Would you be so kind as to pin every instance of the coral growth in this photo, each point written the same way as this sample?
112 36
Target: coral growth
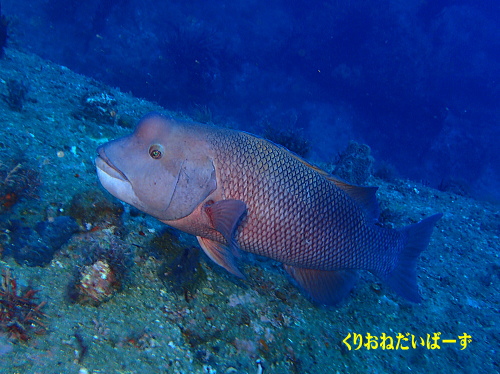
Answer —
202 113
103 271
19 313
291 139
100 107
17 181
98 283
355 163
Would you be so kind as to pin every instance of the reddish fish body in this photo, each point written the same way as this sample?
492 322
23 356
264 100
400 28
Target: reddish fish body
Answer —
236 191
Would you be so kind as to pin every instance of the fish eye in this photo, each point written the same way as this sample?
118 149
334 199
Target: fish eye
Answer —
156 151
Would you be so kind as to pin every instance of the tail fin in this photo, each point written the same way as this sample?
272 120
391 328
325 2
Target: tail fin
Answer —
403 278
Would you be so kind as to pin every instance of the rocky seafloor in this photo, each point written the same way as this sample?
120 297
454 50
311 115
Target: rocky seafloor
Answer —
159 306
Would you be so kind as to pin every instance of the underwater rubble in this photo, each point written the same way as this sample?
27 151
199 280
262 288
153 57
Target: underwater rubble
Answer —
121 292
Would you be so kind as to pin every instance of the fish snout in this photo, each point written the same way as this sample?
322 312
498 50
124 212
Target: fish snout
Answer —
104 164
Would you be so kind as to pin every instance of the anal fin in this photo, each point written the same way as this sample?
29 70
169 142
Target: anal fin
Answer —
327 287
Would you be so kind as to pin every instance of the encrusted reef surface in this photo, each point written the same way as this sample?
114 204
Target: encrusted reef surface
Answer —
122 293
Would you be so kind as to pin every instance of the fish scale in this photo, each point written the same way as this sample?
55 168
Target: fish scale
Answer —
334 232
235 191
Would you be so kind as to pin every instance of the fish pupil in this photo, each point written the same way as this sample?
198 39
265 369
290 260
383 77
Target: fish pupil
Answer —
155 153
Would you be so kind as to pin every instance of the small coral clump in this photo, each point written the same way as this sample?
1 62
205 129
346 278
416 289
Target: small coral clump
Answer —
100 107
291 139
17 181
103 271
98 283
355 163
19 313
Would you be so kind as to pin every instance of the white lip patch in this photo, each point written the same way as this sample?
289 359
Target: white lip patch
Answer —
108 169
113 181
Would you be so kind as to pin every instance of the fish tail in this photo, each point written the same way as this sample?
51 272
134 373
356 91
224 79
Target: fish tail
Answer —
403 278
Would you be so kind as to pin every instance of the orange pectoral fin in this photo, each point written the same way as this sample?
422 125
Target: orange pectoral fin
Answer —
220 254
225 216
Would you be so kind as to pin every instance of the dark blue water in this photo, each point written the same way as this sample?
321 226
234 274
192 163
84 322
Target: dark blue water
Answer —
416 80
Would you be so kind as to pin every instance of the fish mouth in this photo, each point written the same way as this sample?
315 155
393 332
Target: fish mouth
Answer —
104 165
114 180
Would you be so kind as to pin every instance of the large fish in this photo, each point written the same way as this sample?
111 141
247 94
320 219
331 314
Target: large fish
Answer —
235 191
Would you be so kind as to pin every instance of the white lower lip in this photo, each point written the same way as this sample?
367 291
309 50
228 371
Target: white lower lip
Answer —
114 183
104 167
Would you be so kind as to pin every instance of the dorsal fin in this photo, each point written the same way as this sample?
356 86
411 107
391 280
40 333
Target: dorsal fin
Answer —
364 196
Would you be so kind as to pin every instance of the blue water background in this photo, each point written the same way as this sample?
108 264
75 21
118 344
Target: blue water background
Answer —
416 80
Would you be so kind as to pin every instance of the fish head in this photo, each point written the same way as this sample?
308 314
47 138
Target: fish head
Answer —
163 168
